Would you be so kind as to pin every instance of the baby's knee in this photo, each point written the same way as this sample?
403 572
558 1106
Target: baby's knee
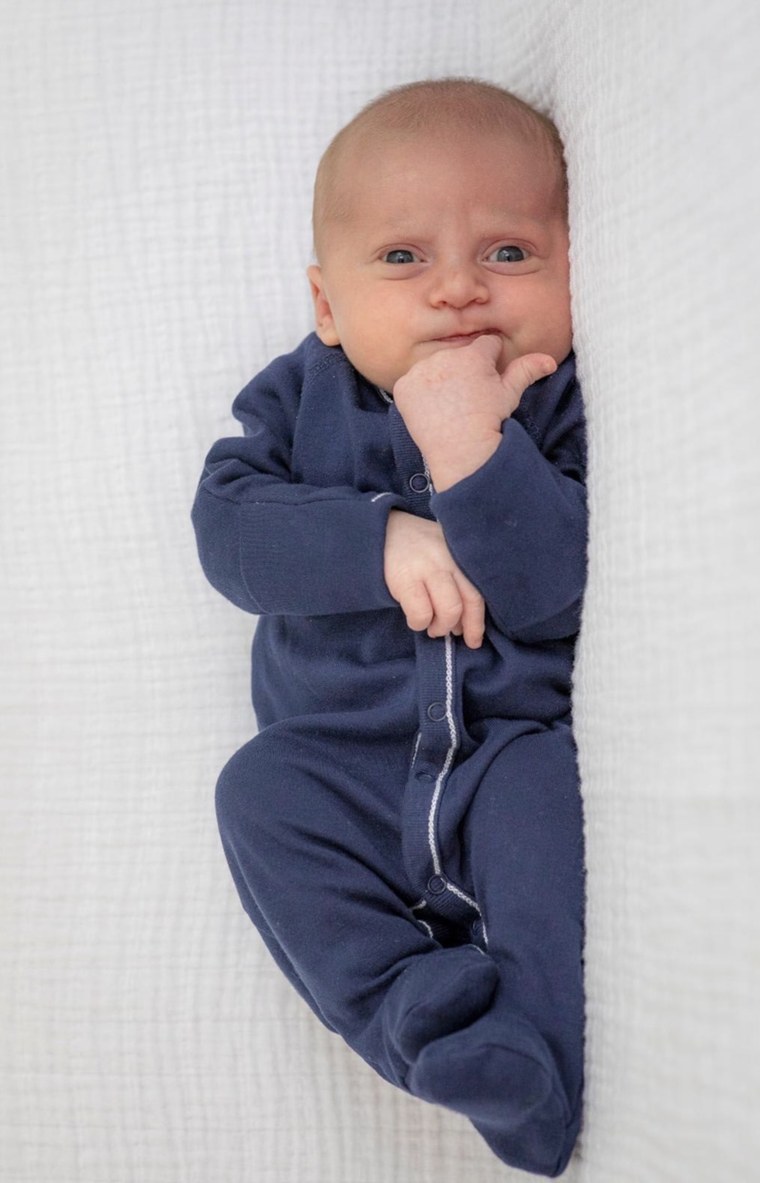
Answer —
251 789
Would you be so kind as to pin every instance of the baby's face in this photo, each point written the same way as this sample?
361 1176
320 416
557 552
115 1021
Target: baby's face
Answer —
442 244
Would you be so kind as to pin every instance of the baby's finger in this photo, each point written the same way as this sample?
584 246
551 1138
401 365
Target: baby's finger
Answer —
473 620
487 344
447 605
523 371
416 605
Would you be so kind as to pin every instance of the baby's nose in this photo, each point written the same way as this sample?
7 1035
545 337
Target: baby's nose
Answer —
458 284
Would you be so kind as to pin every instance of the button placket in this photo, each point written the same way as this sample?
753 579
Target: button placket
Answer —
435 756
419 482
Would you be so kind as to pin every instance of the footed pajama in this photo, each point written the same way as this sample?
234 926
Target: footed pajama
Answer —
405 831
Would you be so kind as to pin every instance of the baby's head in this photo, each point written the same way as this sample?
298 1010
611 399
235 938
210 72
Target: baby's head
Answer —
440 212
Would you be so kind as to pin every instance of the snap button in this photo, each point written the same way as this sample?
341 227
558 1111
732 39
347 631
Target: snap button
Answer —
436 885
419 482
436 711
425 776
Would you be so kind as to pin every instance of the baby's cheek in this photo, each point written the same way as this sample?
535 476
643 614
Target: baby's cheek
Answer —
507 354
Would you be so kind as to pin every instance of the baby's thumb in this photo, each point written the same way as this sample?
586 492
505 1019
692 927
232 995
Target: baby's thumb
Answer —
524 371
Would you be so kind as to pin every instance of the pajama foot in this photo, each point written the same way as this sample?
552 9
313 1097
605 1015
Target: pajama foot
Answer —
543 1146
502 1076
439 993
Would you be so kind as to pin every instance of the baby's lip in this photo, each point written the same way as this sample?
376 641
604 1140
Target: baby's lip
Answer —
465 338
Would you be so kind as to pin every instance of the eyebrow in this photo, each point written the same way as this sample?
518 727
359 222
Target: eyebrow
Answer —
410 226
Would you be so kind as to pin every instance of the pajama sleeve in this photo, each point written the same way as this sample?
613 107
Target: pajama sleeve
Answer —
272 544
517 526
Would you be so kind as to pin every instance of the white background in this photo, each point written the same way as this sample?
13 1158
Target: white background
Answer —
154 198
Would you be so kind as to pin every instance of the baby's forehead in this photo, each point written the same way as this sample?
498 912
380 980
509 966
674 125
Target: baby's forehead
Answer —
392 174
374 147
368 147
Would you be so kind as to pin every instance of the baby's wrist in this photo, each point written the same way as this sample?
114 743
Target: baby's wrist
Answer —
447 469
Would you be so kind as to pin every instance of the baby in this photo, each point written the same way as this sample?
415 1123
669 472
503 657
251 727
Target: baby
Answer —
406 514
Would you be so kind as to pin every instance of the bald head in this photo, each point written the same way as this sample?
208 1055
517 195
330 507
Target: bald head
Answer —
442 109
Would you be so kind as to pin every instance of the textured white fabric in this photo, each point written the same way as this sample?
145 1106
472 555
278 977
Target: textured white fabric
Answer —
157 164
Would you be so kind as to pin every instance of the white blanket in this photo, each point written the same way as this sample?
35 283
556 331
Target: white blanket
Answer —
157 165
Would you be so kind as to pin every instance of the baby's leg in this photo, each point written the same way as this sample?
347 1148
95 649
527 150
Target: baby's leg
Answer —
310 823
517 1070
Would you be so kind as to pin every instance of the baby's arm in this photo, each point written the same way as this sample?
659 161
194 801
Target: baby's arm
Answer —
509 492
273 544
454 404
428 585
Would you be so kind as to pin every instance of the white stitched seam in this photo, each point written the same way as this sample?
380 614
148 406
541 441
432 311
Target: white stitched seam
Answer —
449 755
416 748
379 495
432 816
462 895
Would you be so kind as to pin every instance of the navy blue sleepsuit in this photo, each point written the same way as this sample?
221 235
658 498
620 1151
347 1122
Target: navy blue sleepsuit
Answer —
405 830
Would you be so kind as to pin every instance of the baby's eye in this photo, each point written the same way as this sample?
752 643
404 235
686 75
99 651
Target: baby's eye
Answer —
399 256
509 253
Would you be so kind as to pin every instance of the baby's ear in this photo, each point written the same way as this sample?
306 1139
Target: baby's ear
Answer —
323 317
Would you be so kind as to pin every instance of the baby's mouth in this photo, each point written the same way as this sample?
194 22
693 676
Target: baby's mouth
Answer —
466 338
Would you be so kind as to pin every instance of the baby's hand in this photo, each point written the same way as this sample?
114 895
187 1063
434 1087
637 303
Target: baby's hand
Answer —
431 590
455 402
